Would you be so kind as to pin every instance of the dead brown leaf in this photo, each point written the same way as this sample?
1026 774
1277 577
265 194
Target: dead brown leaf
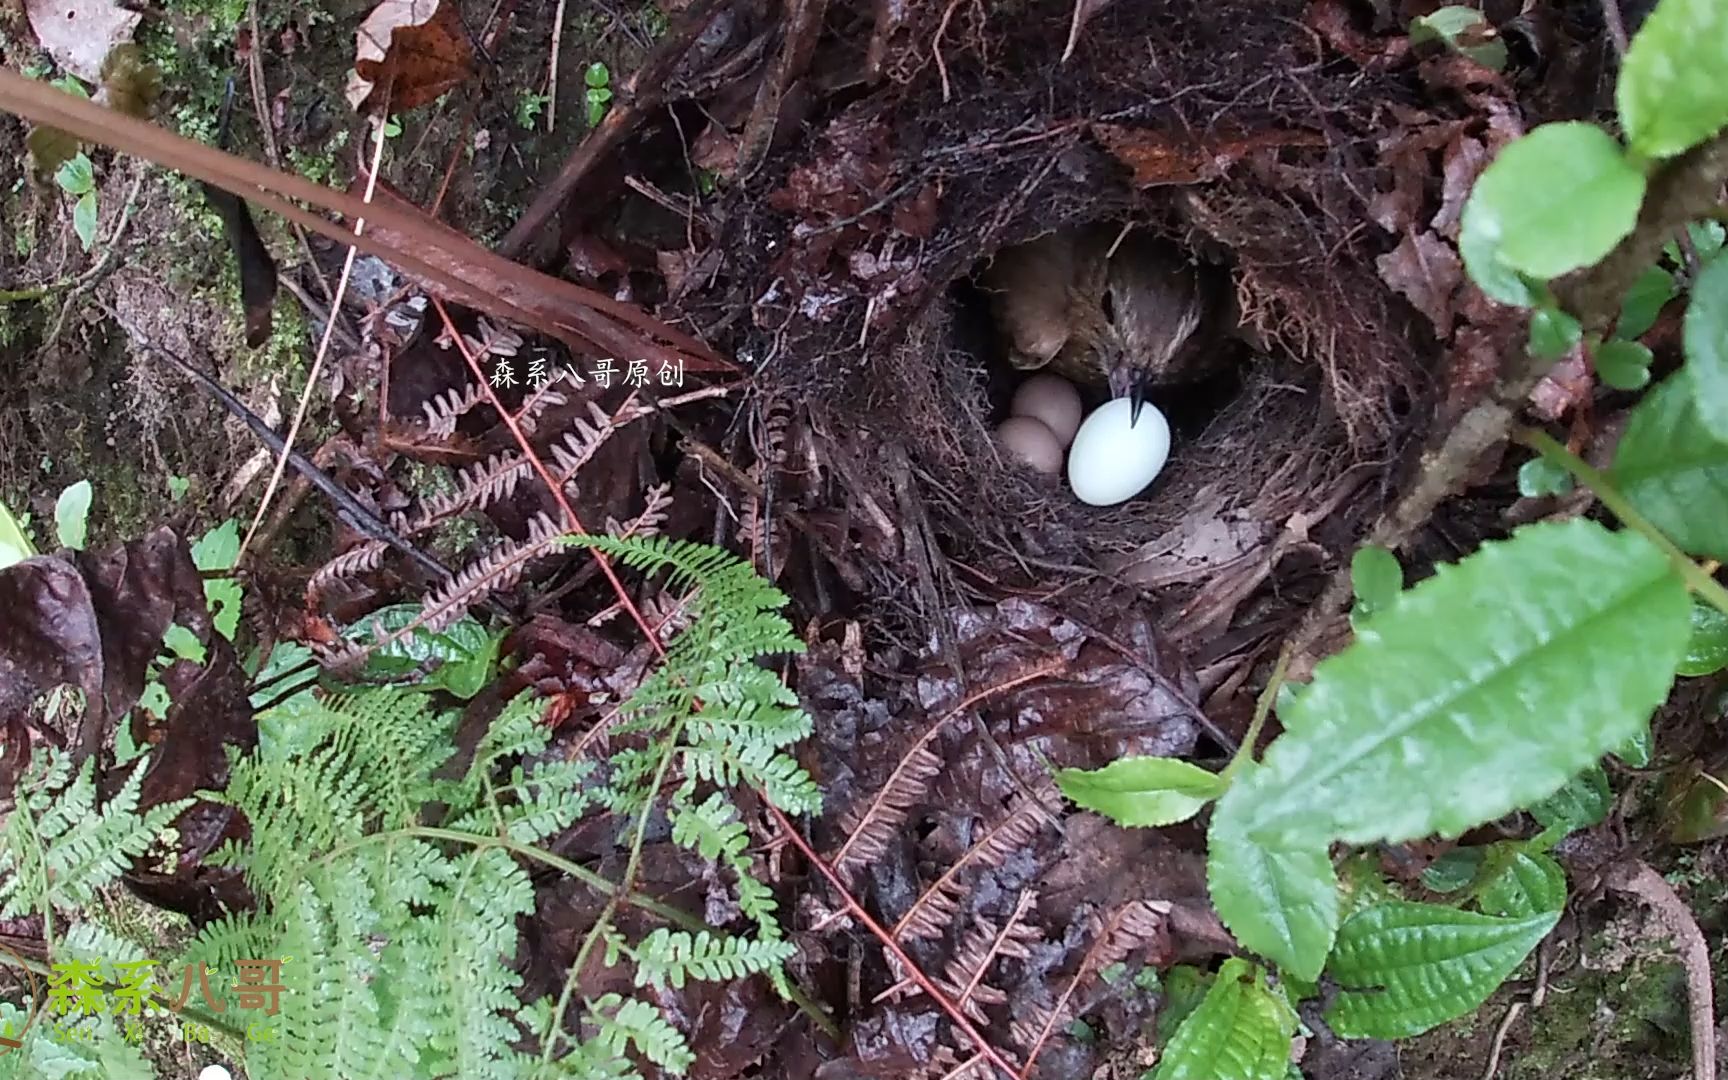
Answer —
1157 157
1425 271
79 33
406 53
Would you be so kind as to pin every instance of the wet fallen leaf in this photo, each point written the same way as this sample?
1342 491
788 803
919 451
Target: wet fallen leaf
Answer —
1425 271
406 53
257 268
79 33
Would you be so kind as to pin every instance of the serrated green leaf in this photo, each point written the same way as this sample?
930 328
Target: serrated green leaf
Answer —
1441 686
1583 802
1554 201
1674 470
1465 31
218 548
597 76
1453 870
1142 791
1406 968
1553 333
1670 94
1707 648
72 515
1481 250
1241 1031
84 218
1521 884
1185 988
1624 365
1539 476
1644 303
183 643
1278 896
77 176
1376 578
1705 333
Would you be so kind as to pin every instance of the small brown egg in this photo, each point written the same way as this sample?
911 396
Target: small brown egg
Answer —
1032 442
1051 400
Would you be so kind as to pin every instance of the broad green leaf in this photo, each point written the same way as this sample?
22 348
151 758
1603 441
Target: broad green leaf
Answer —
1644 302
1707 648
1705 333
1554 201
1241 1031
1553 333
1185 988
1521 884
84 218
1636 751
1376 578
184 643
1624 365
217 550
1539 476
1583 802
1483 690
1142 791
1453 870
15 545
597 77
1671 95
76 177
72 515
1406 967
1279 897
1465 31
155 700
1481 250
458 659
1674 470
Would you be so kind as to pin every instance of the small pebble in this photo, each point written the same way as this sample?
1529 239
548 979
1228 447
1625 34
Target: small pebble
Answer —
1052 400
1032 442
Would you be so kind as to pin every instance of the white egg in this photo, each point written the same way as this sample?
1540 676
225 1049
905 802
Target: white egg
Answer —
1032 443
214 1072
1111 462
1052 400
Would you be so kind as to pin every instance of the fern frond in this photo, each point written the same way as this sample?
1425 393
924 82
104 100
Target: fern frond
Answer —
936 906
363 557
477 487
964 977
583 441
1129 927
673 956
623 1023
500 568
442 411
59 849
870 829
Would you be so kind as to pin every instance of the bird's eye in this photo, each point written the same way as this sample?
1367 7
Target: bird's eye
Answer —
1109 305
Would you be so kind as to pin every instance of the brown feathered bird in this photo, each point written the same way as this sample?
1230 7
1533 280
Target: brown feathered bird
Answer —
1103 309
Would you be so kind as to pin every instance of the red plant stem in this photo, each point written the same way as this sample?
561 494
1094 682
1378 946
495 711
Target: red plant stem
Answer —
894 950
553 486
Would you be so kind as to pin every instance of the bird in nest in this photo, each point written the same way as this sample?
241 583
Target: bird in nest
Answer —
1127 312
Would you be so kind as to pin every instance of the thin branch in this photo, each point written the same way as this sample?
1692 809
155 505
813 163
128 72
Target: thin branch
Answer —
1635 878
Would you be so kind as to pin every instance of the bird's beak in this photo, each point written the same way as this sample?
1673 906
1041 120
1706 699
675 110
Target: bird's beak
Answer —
1128 380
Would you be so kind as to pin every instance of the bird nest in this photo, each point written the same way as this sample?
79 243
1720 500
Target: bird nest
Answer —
1212 124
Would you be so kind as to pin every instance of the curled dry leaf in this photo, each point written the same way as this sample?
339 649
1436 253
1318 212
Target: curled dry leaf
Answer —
1158 157
79 33
406 53
1425 271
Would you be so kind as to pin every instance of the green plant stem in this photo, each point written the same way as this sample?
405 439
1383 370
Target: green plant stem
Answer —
1603 487
1262 709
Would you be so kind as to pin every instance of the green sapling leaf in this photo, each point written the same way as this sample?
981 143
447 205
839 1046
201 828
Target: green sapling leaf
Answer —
1624 365
1376 578
1539 477
1407 967
1521 884
1279 896
1674 469
1705 336
72 515
1670 94
1240 1031
1707 648
1555 201
1142 791
1583 802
